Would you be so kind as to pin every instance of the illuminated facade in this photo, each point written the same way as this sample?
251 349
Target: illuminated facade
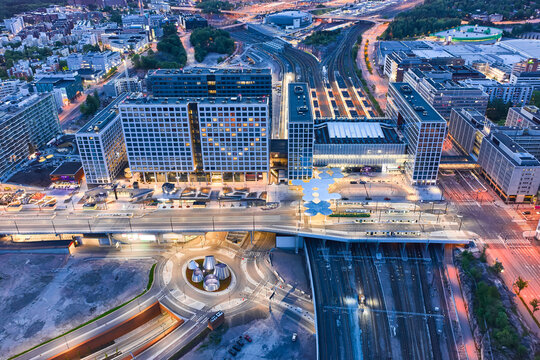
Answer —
101 146
168 139
423 128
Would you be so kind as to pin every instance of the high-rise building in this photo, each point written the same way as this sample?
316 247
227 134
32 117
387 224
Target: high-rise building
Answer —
523 117
101 145
301 136
168 139
444 94
27 123
423 128
210 83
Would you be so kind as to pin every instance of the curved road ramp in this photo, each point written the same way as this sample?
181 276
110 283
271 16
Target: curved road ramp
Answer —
127 339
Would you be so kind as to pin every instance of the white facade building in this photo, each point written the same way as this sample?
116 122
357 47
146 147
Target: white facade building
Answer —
102 147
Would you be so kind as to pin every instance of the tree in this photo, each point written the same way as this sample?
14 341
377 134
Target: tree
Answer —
497 267
520 284
497 110
63 65
535 304
535 99
91 48
91 105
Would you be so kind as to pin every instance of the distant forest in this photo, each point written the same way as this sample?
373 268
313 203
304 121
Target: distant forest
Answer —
437 15
8 8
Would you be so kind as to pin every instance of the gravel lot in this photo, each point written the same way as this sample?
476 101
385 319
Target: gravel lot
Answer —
42 295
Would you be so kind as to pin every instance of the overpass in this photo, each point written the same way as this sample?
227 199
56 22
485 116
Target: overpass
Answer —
159 222
458 163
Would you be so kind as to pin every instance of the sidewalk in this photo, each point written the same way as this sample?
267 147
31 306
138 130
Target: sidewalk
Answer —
459 303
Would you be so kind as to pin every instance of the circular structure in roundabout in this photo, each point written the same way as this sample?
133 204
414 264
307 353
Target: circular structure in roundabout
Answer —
208 275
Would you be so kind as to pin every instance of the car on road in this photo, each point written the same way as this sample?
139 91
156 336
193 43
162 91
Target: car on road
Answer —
368 198
294 337
386 199
232 352
362 183
248 338
236 347
240 341
526 213
353 182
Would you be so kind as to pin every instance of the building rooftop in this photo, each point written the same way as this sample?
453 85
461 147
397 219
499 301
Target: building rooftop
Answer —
299 107
362 132
471 33
197 71
423 110
512 151
103 118
140 99
14 103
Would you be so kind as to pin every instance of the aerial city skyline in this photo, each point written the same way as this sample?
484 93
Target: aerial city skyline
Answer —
323 179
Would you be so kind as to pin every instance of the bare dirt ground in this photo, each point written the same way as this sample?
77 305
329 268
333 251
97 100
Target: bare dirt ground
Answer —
271 334
43 295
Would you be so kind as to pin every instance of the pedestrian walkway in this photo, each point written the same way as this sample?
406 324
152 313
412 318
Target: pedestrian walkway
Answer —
460 304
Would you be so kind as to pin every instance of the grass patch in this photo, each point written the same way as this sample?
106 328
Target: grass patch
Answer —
356 215
148 286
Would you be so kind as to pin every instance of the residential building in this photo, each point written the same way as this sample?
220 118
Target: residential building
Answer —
125 41
216 139
101 145
190 22
444 94
27 122
14 25
301 135
518 94
523 117
8 87
121 84
100 61
423 128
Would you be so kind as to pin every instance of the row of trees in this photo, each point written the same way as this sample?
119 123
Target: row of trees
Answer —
489 309
8 8
214 6
436 15
171 52
209 39
322 37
